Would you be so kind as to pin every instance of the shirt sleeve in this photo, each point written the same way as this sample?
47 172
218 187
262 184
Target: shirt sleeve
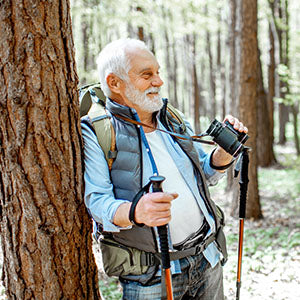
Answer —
212 176
98 195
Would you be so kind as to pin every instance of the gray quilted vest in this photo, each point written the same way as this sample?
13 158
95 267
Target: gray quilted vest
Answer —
126 173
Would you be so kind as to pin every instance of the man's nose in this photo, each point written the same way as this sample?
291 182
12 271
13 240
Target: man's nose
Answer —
157 81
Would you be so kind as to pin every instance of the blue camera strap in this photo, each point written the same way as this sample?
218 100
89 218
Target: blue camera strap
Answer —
146 144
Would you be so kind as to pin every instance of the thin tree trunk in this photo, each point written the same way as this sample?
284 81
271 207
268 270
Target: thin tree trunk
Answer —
233 75
85 43
174 77
271 82
167 55
151 39
278 12
195 88
295 112
221 66
234 71
141 34
212 75
265 153
45 230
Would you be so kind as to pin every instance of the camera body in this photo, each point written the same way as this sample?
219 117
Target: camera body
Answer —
227 137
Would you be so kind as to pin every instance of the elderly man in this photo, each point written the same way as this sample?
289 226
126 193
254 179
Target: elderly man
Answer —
130 79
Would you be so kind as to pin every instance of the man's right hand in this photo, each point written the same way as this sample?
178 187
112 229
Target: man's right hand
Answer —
154 209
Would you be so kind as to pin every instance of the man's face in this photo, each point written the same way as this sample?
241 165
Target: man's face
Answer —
143 87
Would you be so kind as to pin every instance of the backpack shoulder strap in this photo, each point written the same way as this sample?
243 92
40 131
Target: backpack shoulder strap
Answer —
105 132
176 115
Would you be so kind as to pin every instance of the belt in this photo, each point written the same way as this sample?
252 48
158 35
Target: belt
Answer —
150 259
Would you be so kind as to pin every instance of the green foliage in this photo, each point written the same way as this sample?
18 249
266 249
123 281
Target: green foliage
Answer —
291 88
110 289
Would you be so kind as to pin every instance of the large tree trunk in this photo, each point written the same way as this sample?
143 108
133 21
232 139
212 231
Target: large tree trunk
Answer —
248 94
45 230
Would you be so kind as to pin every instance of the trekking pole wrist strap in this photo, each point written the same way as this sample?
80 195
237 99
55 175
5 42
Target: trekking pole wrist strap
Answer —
134 203
132 214
219 168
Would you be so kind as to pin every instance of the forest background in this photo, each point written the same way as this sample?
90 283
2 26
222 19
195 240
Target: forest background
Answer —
196 44
216 57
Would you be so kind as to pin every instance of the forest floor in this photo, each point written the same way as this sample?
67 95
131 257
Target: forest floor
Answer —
271 252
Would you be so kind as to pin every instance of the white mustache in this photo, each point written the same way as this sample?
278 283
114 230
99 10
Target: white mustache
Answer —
153 90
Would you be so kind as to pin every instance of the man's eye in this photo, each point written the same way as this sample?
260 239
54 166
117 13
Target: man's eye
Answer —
147 75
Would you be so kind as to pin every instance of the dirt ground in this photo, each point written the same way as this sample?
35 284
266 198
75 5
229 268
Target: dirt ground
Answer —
270 271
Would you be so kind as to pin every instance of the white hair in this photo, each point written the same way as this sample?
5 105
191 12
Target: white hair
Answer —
114 59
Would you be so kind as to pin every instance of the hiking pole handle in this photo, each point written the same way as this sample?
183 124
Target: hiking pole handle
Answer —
164 246
162 230
244 183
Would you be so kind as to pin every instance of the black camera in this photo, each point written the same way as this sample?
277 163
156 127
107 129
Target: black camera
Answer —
227 137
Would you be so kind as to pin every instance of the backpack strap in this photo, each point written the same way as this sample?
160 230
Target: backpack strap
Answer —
105 131
176 115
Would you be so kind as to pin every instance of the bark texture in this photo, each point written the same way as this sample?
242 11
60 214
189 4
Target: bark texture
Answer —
45 229
248 96
246 46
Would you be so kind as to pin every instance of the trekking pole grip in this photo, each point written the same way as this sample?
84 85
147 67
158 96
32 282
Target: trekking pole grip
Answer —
244 183
162 230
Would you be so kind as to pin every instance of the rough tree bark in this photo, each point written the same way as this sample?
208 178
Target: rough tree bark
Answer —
46 237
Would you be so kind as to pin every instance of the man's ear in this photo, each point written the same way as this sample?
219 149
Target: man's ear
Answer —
114 83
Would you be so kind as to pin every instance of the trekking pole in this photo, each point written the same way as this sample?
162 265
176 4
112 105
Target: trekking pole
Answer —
163 240
242 213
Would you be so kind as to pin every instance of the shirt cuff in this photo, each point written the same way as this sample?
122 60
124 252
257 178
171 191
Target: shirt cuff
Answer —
108 218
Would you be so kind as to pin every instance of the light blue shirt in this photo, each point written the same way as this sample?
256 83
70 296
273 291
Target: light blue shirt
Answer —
99 196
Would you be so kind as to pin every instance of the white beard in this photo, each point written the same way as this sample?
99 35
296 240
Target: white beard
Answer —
142 100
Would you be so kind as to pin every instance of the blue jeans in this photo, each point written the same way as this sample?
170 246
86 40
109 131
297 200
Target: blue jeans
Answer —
196 281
